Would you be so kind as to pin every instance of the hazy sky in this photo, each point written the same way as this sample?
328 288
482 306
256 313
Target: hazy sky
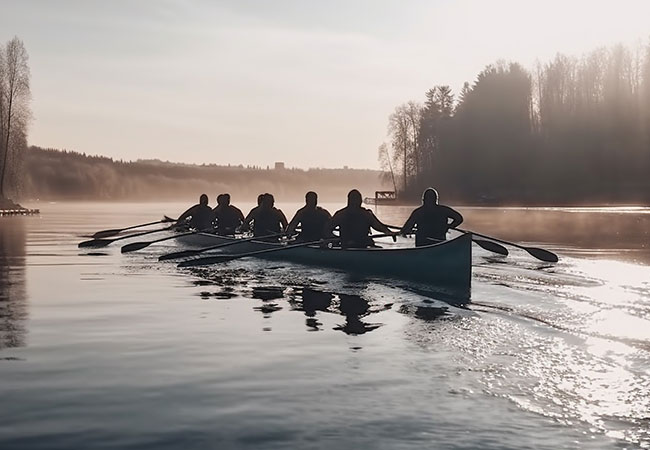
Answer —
310 83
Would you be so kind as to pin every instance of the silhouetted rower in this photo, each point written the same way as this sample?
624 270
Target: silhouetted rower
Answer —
251 213
266 218
354 223
311 218
432 220
198 217
228 217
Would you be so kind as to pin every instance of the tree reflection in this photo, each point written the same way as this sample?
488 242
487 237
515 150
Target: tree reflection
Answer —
13 308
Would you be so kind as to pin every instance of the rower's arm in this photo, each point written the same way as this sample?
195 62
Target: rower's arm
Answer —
249 218
283 219
378 225
334 222
408 226
294 223
245 226
456 218
186 214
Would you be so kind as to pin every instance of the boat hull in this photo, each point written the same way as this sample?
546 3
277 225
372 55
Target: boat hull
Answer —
447 264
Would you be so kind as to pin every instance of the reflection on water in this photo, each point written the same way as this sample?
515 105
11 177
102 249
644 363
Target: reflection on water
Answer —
312 301
558 355
13 307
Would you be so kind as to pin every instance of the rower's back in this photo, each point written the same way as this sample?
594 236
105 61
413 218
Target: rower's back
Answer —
267 219
228 217
432 220
199 216
432 223
354 226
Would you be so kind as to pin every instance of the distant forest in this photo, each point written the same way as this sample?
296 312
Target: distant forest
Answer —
64 175
575 130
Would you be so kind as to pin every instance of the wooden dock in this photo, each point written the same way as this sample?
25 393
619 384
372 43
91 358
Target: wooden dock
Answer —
19 212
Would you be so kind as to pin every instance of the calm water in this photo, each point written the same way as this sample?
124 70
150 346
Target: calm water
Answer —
103 350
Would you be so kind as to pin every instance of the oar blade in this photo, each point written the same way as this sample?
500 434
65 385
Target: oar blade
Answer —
134 246
95 243
177 255
106 233
207 260
491 246
541 254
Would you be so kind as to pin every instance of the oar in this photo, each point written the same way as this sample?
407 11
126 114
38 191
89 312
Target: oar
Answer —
539 253
140 245
105 242
487 245
229 257
113 232
187 253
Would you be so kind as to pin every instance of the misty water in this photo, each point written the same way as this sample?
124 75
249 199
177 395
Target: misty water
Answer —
104 350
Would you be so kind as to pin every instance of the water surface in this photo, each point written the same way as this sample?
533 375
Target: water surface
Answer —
104 350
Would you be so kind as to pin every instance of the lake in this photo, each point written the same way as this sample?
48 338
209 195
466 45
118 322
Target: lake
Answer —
104 350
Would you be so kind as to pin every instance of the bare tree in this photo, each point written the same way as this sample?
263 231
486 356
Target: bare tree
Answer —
14 104
385 162
404 128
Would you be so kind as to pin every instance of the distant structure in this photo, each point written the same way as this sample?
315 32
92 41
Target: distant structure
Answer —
279 166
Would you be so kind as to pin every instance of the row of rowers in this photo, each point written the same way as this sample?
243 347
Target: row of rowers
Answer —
431 220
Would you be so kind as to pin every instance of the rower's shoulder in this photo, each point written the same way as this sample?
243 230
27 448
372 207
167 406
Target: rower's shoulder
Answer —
322 211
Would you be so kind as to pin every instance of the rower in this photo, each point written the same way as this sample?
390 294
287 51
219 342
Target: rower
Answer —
228 217
432 220
354 223
252 212
198 217
266 218
312 220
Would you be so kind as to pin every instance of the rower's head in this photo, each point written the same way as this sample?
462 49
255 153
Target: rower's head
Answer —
260 199
311 199
203 200
354 198
430 197
268 201
223 199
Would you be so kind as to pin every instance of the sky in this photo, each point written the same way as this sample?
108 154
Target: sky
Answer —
309 83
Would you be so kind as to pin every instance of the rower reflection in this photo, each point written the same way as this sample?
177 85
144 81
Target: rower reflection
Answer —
266 294
353 307
312 302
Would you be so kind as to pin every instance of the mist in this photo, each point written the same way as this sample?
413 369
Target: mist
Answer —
61 175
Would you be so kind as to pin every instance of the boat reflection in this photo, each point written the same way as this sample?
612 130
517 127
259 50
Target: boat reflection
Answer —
13 307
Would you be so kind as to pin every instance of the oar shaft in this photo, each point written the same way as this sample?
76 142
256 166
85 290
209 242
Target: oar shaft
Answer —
114 231
535 252
186 253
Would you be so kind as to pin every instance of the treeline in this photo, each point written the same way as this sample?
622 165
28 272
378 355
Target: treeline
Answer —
571 131
51 174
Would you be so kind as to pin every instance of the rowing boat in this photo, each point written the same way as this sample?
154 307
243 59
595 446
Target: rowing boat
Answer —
446 264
